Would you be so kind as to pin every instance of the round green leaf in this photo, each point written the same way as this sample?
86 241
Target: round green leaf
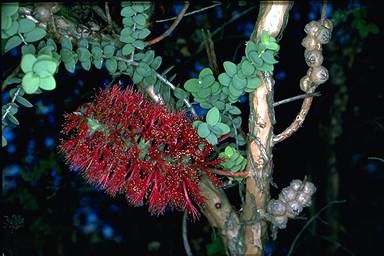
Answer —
224 79
96 52
27 62
141 33
139 44
256 60
223 128
156 62
26 25
273 46
47 83
180 93
127 32
12 43
109 50
250 47
44 68
111 65
212 139
11 30
267 56
6 21
229 151
137 77
30 82
215 87
86 64
230 68
30 48
127 21
220 105
205 72
237 122
196 124
9 8
149 56
83 54
247 68
143 69
127 49
35 35
253 83
97 62
121 65
239 83
192 85
203 130
139 19
265 38
234 110
67 57
83 43
140 7
204 92
127 12
234 91
213 116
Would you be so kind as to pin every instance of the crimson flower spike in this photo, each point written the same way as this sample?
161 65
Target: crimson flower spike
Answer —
125 144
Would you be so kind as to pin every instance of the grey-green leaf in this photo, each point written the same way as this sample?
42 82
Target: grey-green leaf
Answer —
35 35
203 130
23 101
234 110
213 116
109 50
26 25
12 43
30 48
180 93
3 141
212 139
12 118
230 68
111 65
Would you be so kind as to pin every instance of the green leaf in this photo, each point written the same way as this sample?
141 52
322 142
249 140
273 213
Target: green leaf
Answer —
35 35
12 118
127 12
44 67
26 25
128 22
192 85
111 65
97 52
265 38
6 21
156 62
11 30
250 47
127 49
213 116
203 130
109 50
230 68
30 82
234 91
83 43
196 123
9 8
220 129
13 80
30 48
267 56
139 19
225 79
137 77
141 33
220 105
3 141
234 110
255 59
83 54
86 64
47 83
273 46
239 83
212 139
12 43
180 93
149 56
150 79
140 7
204 92
237 122
247 68
240 140
97 62
27 62
23 101
253 83
69 59
266 67
143 69
121 65
140 44
205 72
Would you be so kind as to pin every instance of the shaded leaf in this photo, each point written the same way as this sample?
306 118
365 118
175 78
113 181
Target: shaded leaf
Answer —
127 49
212 139
12 118
12 43
30 48
230 68
23 101
26 25
35 35
111 65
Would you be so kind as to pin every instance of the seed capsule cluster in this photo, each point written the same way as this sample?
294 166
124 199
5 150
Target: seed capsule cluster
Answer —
290 203
318 33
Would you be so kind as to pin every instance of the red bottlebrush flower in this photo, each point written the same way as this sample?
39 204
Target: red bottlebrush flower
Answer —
125 144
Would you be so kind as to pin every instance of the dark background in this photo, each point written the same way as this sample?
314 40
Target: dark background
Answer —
48 210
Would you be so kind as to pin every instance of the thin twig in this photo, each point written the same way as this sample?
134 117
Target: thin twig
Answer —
210 49
324 10
299 120
376 158
109 18
10 105
229 173
185 237
302 96
190 13
310 221
172 27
